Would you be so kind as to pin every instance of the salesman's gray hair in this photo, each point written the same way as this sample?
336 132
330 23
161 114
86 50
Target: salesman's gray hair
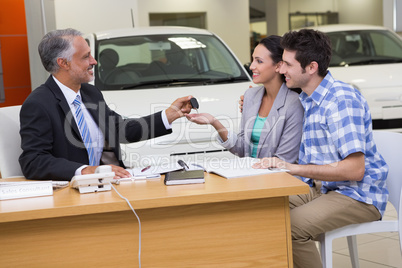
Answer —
57 44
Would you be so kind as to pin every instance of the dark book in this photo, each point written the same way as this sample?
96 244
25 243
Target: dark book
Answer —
184 177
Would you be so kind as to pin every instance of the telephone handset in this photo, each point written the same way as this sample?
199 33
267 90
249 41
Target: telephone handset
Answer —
92 183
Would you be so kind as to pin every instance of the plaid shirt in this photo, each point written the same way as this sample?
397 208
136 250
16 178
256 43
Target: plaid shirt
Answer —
337 123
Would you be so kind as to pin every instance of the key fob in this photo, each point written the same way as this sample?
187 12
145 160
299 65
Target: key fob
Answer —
194 103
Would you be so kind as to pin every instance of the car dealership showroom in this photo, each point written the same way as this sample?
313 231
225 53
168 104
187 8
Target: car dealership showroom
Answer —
145 55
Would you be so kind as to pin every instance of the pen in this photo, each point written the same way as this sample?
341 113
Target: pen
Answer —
183 164
199 166
145 168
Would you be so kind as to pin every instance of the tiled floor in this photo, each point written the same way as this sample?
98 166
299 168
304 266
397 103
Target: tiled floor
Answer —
380 250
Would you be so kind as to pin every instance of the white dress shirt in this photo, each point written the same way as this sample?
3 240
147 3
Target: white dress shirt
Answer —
97 138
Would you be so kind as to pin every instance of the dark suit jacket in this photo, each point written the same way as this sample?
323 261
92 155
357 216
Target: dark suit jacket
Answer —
50 139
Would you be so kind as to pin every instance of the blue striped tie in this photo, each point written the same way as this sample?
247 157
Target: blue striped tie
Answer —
86 137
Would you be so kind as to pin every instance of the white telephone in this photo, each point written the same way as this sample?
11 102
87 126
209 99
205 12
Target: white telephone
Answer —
92 183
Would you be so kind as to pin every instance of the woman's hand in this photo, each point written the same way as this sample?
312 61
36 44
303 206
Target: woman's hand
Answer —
205 119
201 119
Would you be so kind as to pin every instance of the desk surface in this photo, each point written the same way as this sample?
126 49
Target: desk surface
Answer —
150 194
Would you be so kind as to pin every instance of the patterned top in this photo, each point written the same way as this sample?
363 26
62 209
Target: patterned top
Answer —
337 123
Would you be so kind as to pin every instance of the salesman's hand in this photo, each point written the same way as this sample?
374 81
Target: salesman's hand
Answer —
119 171
201 119
178 108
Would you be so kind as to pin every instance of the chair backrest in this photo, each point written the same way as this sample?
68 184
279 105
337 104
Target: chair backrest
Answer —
389 145
10 141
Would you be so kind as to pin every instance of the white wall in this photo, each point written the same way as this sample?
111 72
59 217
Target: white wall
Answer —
259 27
283 8
388 7
356 11
398 17
36 29
94 15
393 19
312 5
229 19
360 11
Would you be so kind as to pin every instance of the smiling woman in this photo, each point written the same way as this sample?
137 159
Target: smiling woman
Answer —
272 114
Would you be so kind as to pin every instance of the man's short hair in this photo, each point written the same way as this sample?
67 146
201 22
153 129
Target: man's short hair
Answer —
310 45
57 44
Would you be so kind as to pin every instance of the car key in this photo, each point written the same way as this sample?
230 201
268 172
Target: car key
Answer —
194 104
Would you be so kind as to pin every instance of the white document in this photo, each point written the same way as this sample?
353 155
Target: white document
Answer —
236 167
227 168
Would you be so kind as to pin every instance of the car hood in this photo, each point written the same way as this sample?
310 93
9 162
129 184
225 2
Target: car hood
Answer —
381 85
370 76
212 99
187 137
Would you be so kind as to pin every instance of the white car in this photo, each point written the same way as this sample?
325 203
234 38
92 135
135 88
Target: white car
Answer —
370 59
143 70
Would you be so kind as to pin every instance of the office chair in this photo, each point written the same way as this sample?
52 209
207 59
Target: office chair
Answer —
389 145
10 142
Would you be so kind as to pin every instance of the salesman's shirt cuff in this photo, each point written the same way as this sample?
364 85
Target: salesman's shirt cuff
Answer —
78 171
165 120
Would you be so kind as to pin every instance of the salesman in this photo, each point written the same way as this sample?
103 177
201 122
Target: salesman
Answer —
66 127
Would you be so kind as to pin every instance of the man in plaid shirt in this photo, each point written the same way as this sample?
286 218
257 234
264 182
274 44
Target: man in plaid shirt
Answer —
337 158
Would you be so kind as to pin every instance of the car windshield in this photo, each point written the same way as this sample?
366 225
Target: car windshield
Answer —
364 47
151 61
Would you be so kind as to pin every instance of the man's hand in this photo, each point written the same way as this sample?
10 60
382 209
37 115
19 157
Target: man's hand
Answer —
241 103
178 108
119 171
272 162
201 119
352 168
